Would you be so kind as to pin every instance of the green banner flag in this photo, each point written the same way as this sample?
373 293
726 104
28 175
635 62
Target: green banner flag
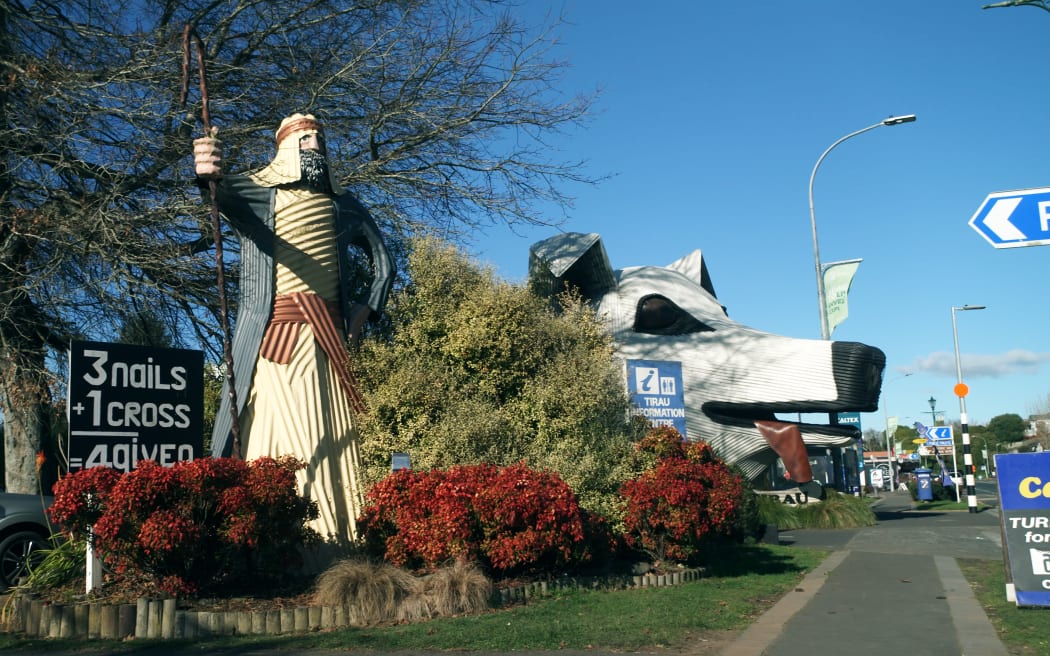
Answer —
838 276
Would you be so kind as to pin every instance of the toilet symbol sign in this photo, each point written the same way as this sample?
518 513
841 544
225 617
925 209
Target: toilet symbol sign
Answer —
656 391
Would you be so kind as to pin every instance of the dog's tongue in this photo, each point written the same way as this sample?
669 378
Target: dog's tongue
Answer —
786 439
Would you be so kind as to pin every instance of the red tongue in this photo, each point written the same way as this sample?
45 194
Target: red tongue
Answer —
786 440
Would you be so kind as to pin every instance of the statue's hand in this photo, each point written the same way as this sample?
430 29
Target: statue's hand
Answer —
207 157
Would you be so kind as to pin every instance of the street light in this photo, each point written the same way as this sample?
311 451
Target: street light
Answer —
886 418
985 460
961 390
825 333
933 415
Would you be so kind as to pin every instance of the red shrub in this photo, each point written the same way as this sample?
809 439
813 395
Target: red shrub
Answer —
687 499
193 526
511 519
79 499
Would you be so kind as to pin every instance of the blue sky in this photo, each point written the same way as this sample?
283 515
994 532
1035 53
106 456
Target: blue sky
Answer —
711 117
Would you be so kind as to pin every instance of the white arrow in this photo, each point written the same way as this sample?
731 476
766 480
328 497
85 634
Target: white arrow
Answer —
998 219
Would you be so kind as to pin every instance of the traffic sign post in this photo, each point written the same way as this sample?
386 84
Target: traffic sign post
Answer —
1009 219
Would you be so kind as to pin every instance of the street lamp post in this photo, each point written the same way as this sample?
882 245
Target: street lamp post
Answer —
961 390
933 415
825 333
954 466
983 451
886 419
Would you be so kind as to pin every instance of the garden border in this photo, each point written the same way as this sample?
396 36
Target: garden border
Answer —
161 619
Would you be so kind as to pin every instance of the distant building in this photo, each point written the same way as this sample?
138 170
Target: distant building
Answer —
1038 428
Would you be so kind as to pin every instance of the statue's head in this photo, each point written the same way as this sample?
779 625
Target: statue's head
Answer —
300 132
301 135
301 155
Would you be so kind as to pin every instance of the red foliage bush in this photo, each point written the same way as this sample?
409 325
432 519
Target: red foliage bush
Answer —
193 526
688 499
510 519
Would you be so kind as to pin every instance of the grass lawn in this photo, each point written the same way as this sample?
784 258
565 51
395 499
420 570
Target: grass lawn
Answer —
736 591
739 588
1023 630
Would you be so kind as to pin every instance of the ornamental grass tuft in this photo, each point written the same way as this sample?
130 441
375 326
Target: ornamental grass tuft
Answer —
380 593
837 510
373 593
459 589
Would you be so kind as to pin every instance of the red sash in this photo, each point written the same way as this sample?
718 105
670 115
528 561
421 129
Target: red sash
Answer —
291 311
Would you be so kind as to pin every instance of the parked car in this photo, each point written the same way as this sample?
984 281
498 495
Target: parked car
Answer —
25 532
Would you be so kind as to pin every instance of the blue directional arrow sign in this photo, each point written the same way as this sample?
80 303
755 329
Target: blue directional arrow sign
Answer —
1008 219
940 435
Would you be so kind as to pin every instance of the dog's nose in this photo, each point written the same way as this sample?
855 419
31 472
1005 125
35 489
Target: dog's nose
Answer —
858 374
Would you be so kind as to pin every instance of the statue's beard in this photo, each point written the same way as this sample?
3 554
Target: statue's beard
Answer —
314 167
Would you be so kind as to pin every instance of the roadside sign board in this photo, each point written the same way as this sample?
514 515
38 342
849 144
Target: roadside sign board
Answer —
132 403
1008 219
848 419
1024 494
657 392
935 440
942 450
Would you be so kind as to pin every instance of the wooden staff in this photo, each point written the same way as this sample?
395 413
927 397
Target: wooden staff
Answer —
224 318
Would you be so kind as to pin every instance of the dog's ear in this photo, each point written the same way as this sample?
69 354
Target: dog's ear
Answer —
571 259
693 267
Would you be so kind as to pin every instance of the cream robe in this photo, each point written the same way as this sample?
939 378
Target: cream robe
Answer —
299 408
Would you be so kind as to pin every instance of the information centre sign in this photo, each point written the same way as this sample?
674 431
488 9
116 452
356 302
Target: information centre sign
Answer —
657 393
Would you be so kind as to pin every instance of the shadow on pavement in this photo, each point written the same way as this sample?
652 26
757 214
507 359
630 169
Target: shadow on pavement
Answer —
753 561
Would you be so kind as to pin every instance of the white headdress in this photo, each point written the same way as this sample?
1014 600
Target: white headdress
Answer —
285 167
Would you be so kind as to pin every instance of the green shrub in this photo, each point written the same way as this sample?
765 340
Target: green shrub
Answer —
62 564
476 370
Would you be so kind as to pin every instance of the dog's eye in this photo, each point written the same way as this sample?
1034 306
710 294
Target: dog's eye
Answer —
657 315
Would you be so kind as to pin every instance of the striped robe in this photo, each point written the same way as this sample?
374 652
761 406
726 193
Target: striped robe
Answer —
294 240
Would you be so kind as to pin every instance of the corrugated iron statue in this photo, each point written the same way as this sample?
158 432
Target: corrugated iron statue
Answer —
735 379
294 393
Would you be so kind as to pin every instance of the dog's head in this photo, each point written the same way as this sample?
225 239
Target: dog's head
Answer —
732 374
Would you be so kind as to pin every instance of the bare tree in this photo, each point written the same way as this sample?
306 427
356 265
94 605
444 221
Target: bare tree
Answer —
435 112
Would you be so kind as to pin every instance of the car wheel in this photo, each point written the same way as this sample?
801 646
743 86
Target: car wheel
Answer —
19 552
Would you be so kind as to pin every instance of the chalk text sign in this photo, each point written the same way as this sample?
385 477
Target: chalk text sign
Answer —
133 403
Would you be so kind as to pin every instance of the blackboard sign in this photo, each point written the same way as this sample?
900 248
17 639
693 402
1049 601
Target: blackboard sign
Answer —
133 403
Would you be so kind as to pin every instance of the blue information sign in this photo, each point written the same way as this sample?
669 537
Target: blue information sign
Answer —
1024 491
1008 219
656 391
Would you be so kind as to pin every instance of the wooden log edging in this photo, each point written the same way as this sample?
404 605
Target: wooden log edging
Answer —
161 618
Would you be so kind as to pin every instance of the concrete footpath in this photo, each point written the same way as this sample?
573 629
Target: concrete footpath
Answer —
891 588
